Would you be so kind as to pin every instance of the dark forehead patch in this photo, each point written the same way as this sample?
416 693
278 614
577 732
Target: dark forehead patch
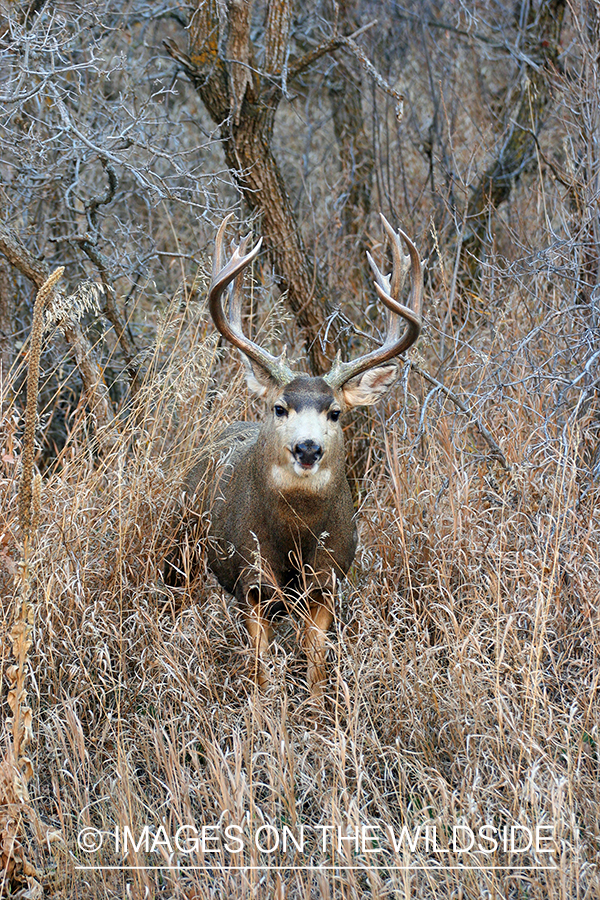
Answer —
308 392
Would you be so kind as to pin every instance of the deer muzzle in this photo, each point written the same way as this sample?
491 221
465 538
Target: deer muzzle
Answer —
307 453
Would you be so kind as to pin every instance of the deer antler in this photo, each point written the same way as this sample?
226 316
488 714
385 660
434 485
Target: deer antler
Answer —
231 327
389 289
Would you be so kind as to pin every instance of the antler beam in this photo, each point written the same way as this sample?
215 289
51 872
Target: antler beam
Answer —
389 289
231 328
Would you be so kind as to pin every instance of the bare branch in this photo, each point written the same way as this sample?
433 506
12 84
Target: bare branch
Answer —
330 46
483 429
91 371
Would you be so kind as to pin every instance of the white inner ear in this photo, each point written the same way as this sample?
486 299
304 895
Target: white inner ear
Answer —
258 381
254 385
369 387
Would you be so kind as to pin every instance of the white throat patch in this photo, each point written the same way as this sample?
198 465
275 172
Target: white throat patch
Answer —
293 477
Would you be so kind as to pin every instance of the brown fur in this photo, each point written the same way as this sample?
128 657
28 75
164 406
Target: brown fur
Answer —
282 524
274 549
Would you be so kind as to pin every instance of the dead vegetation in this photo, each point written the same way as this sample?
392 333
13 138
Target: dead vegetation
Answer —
464 657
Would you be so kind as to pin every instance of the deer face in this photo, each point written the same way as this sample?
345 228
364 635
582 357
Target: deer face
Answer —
302 434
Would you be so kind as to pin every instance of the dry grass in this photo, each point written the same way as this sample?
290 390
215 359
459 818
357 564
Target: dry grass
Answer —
464 659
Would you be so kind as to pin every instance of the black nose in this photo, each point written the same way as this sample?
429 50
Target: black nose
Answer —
307 453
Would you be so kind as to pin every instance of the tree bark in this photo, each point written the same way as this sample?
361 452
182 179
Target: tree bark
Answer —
524 112
245 109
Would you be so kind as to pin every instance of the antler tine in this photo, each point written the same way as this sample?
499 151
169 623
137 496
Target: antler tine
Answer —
400 261
235 289
388 289
384 283
236 299
400 267
231 326
218 257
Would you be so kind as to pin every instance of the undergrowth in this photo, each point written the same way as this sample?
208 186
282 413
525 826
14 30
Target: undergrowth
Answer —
463 662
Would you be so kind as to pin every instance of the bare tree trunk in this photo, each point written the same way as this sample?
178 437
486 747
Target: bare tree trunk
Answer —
7 290
524 110
249 157
245 108
354 147
356 156
583 178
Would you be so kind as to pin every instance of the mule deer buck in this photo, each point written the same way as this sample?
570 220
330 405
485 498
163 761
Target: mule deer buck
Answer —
282 526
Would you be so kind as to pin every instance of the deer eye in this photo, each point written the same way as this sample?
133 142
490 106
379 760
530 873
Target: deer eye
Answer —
334 414
280 411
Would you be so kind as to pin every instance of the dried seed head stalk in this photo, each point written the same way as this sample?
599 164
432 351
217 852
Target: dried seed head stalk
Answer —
36 502
33 376
17 767
29 507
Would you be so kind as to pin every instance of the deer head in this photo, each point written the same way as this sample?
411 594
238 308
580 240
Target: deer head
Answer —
301 433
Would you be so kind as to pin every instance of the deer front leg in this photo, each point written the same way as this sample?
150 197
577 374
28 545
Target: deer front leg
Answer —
259 630
318 622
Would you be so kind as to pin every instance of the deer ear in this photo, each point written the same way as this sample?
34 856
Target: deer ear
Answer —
369 387
258 381
255 386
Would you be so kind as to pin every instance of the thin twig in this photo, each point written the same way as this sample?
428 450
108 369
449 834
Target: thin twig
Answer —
351 45
483 430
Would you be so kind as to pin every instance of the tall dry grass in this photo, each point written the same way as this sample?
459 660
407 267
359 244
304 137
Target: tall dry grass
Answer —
463 661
